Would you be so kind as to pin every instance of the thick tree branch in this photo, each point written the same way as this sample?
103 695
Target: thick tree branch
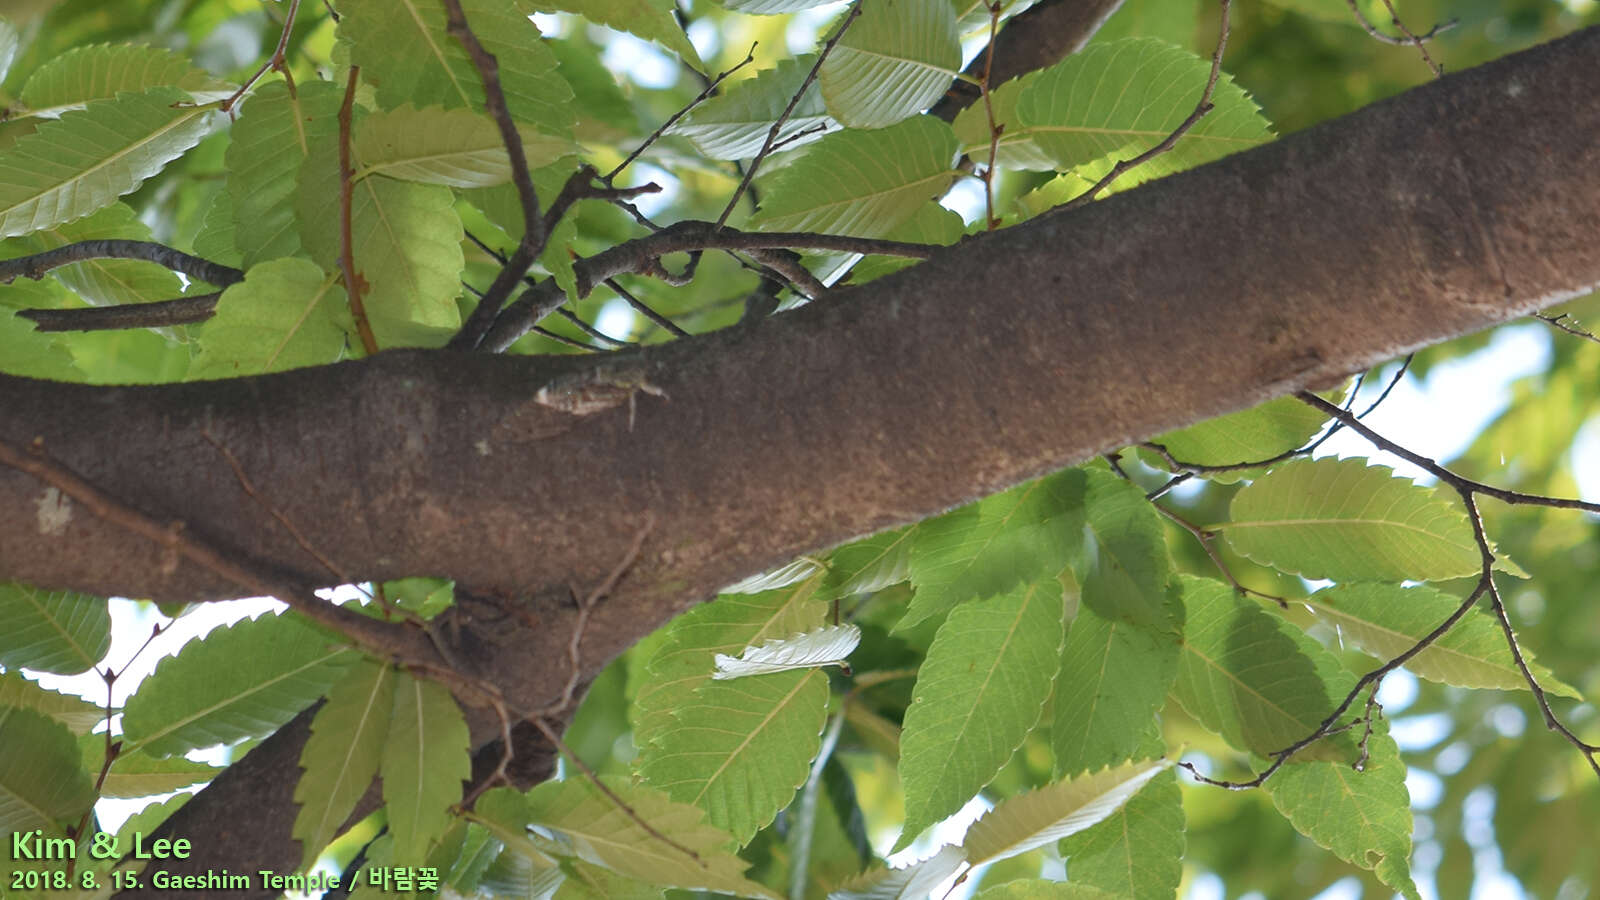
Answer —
1004 357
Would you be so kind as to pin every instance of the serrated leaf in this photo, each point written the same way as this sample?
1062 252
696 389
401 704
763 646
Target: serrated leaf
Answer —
1126 568
1021 823
894 61
912 882
770 7
52 631
102 71
1115 100
454 147
406 240
1385 620
1137 851
991 546
1345 520
89 157
78 714
735 123
1114 679
978 694
1015 148
1363 817
1248 677
136 774
286 314
870 564
425 761
1261 432
590 882
827 646
404 49
109 282
862 183
684 661
239 681
592 827
791 572
740 749
650 20
42 780
504 813
341 757
275 133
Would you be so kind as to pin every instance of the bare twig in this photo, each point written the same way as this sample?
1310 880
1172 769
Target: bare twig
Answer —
1560 321
643 309
162 314
35 265
533 225
1408 37
275 61
990 220
711 88
355 286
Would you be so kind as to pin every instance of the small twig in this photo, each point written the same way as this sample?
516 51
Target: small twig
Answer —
355 286
534 232
1371 29
1589 751
586 605
590 330
1557 322
711 88
788 110
274 62
162 314
643 309
1201 109
994 127
35 265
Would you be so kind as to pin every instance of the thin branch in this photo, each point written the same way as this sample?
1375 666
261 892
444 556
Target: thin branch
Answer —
355 286
1404 41
163 314
644 310
788 110
988 110
711 88
1407 35
1201 109
534 232
1557 322
590 330
275 61
36 265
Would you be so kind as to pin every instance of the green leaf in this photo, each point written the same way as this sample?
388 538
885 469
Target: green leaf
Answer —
650 20
455 147
1021 823
10 42
991 546
1346 520
504 812
685 660
109 282
1137 851
270 142
978 694
37 355
770 7
239 681
1114 679
285 314
740 749
1016 148
870 564
136 774
1173 21
1363 817
88 158
341 757
862 183
406 240
102 71
1261 432
1385 620
52 631
1038 889
1251 679
585 881
425 760
735 123
1127 568
894 61
912 882
78 714
593 828
42 780
404 49
1121 98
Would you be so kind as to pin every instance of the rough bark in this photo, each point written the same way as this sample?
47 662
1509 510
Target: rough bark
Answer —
1446 210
